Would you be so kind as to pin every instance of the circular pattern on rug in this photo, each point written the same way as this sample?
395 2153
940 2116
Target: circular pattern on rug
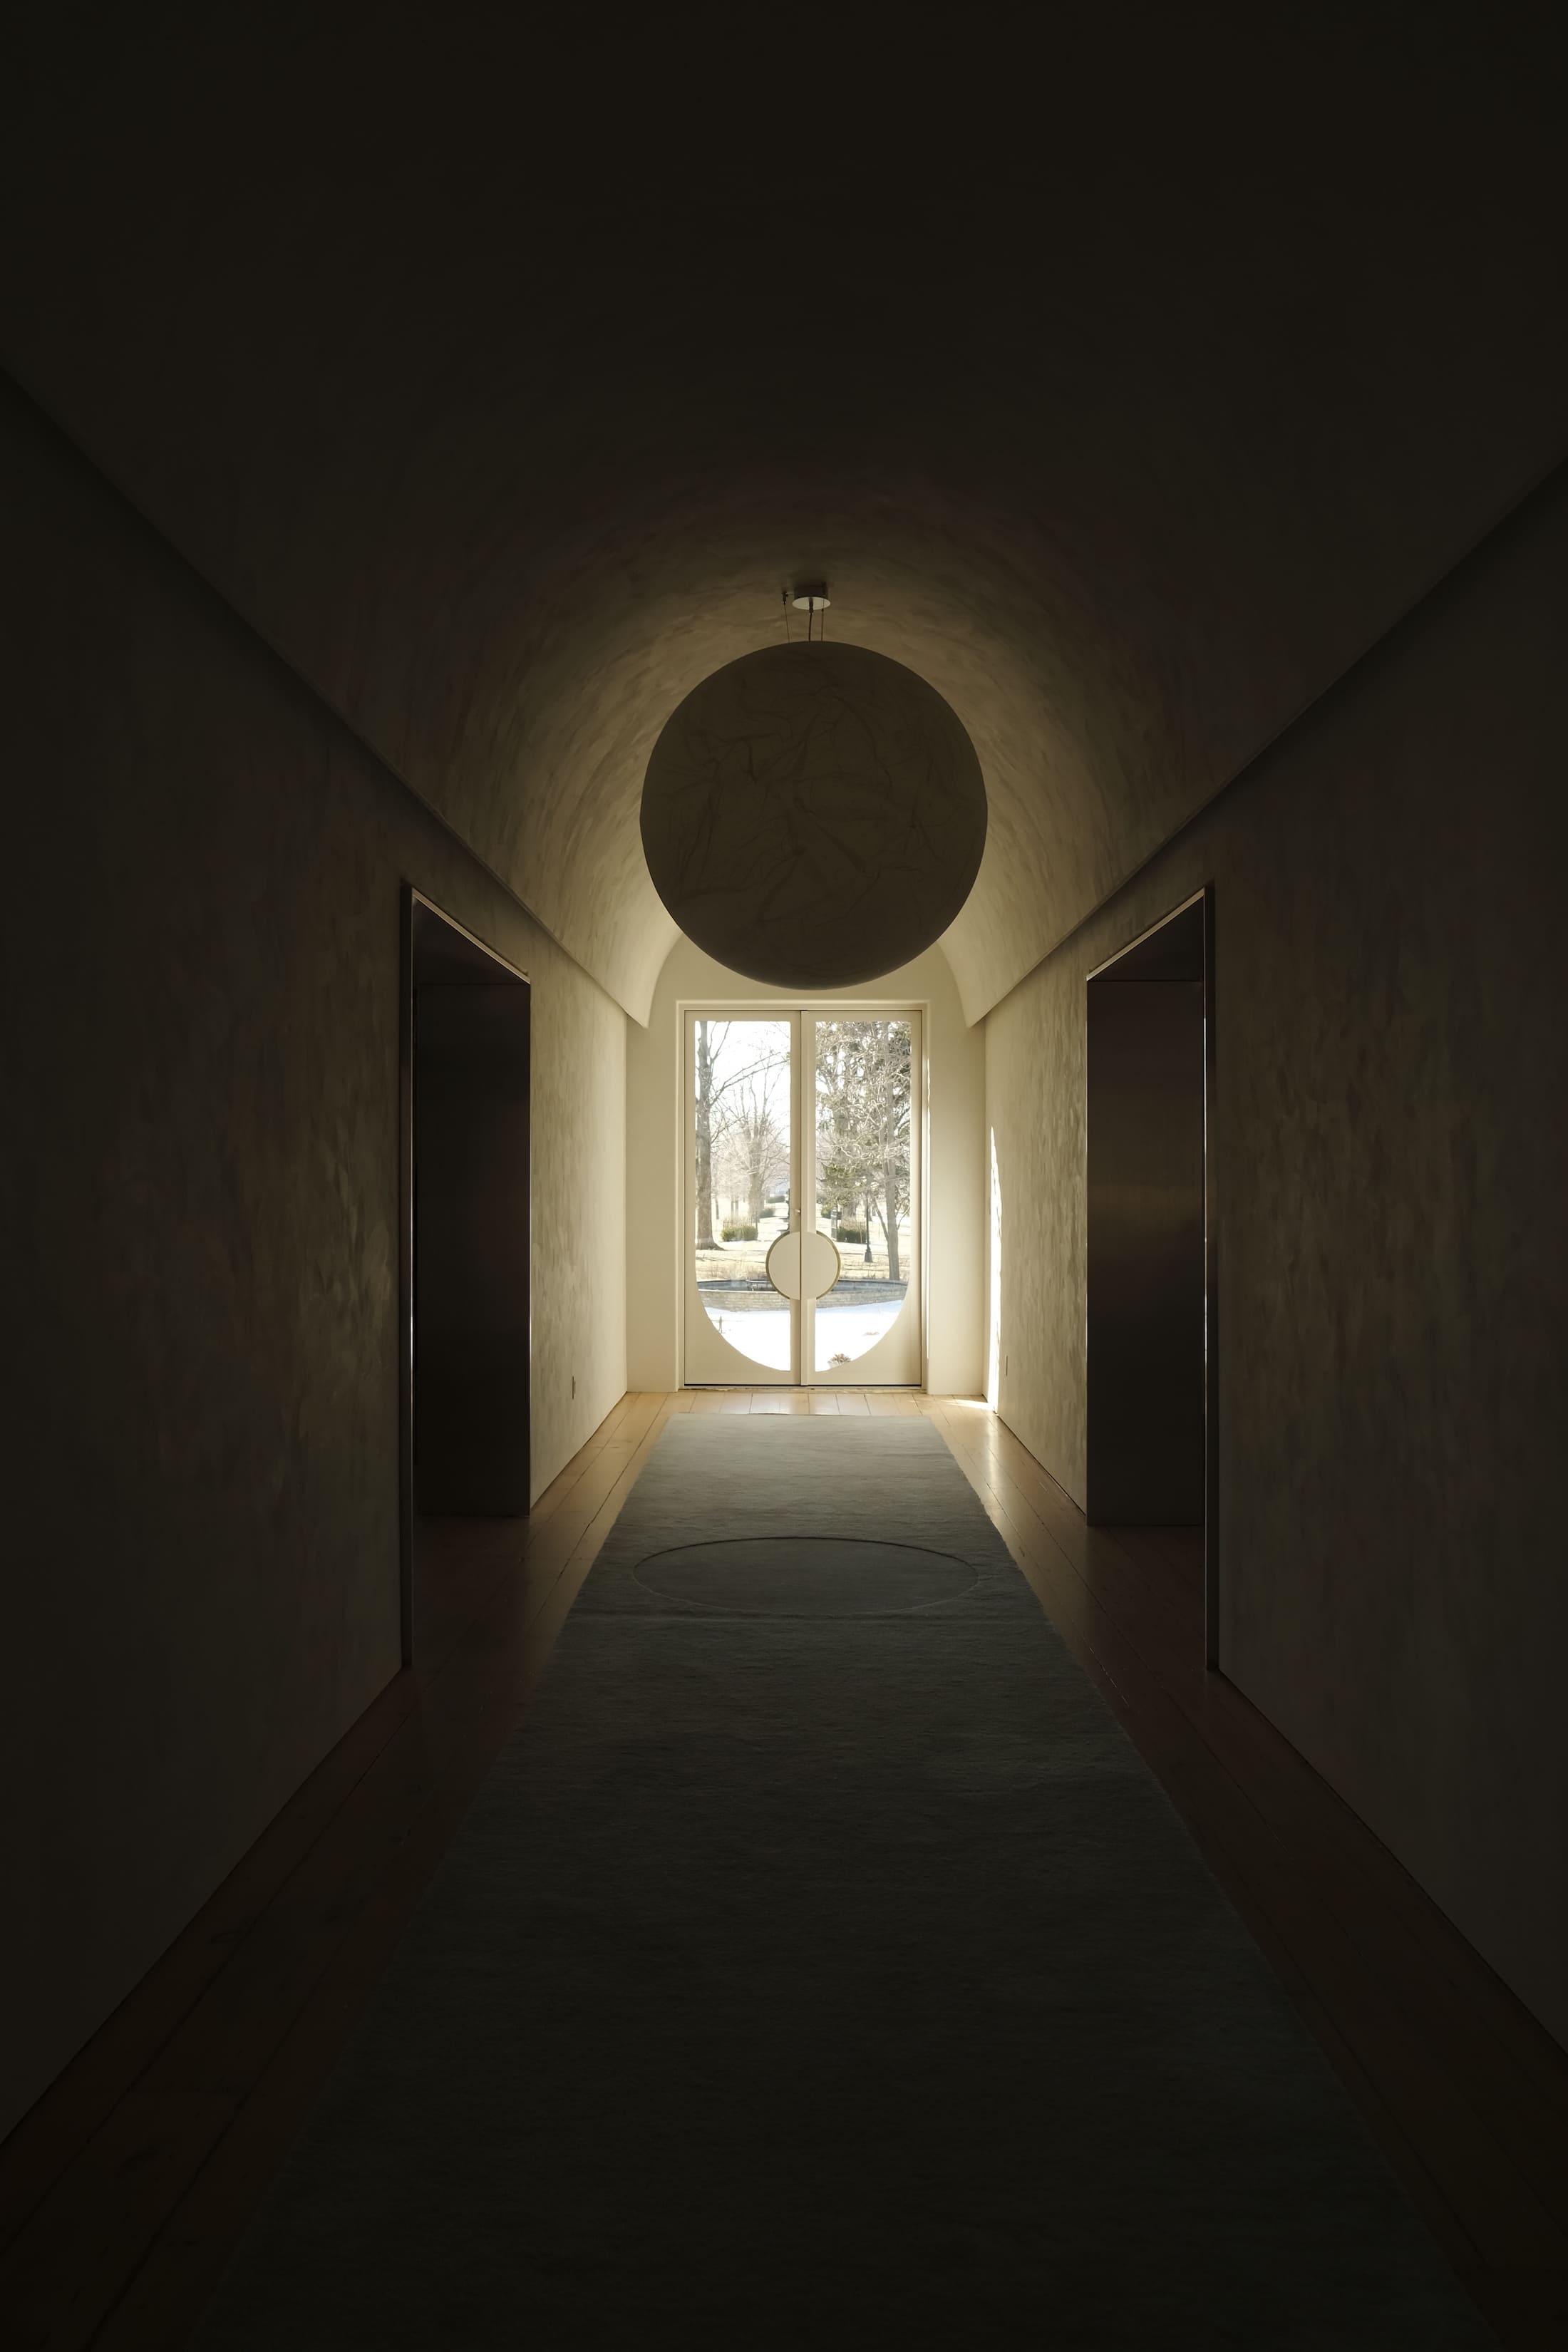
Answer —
805 1576
813 815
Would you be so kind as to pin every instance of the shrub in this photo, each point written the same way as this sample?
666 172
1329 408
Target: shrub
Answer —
738 1233
852 1233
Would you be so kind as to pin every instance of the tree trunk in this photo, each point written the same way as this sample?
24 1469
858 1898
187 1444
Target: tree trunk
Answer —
704 1140
890 1216
890 1158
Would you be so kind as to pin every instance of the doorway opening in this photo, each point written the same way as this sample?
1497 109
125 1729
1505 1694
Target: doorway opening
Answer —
467 1353
802 1214
1151 1268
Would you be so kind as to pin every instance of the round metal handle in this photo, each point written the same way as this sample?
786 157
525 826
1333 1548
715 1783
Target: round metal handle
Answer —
803 1265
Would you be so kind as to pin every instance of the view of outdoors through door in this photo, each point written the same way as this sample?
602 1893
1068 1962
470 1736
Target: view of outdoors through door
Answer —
787 1111
743 1188
864 1082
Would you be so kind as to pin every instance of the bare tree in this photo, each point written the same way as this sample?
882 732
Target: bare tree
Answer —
756 1136
863 1103
710 1037
714 1099
888 1087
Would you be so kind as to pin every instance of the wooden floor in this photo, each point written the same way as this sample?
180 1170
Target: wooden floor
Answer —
122 2194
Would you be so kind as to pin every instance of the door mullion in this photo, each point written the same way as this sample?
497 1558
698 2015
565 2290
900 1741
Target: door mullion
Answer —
810 1376
805 1181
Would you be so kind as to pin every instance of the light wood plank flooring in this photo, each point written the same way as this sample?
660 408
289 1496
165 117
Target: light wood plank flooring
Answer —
122 2194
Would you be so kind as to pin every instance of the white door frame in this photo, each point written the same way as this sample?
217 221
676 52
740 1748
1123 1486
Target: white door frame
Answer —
866 1370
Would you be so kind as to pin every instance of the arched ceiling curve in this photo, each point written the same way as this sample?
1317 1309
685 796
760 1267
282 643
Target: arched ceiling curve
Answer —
504 391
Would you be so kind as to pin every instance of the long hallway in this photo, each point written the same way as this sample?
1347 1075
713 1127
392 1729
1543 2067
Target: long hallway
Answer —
159 2144
683 721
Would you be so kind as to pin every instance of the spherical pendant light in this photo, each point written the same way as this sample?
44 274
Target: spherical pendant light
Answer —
813 815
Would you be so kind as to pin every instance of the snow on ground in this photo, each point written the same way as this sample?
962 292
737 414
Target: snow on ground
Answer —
763 1333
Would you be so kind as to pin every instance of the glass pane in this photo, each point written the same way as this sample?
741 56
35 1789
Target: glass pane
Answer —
741 1133
863 1091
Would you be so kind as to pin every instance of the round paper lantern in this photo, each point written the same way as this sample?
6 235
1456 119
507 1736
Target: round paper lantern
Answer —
813 815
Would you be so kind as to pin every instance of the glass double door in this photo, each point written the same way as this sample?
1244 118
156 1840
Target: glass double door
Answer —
802 1216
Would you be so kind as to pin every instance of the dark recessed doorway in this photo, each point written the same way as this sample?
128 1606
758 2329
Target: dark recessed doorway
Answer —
466 1231
1150 1259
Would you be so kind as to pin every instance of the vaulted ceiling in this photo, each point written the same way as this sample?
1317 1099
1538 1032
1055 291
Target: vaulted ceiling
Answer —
1125 374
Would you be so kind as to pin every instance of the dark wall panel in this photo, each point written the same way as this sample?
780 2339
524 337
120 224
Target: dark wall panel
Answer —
471 1249
1145 1282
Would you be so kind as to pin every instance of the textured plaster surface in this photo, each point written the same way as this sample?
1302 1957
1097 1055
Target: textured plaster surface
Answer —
1390 1124
201 1086
655 1120
504 390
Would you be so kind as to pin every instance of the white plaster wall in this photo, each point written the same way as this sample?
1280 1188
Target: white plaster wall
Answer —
577 1140
200 1059
955 1058
1390 1117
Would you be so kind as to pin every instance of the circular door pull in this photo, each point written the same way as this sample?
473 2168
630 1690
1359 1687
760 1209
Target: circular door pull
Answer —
803 1265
